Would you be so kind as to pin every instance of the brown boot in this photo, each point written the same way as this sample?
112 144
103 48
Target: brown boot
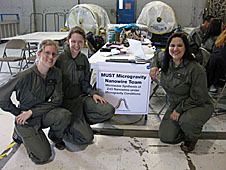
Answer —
188 146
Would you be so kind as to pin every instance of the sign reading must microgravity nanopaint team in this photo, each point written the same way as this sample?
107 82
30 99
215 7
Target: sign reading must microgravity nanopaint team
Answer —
126 86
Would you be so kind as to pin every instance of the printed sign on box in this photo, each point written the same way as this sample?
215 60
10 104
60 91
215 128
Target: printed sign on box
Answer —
125 85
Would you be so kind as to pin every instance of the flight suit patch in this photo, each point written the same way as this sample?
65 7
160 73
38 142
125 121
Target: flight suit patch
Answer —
50 82
178 76
80 67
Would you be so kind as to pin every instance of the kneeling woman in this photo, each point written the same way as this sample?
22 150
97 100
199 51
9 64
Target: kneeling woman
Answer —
184 81
39 92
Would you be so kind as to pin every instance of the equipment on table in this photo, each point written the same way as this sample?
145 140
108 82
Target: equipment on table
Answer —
94 42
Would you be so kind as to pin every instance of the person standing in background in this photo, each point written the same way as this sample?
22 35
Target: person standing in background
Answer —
213 31
196 37
216 67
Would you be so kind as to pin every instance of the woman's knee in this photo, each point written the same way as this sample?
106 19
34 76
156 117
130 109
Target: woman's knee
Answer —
99 112
167 138
168 132
41 157
79 139
110 110
191 130
43 160
88 139
64 114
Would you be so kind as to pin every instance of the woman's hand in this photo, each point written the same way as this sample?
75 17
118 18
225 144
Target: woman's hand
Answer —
175 116
153 72
21 119
97 97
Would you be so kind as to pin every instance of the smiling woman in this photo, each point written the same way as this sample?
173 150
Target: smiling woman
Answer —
184 81
86 105
39 92
176 50
47 55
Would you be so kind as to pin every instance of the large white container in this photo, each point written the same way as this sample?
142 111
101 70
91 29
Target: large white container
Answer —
88 16
158 16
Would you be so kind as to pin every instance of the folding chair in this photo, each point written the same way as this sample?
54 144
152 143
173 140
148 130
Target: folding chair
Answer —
160 55
32 50
205 55
156 81
219 97
32 47
14 52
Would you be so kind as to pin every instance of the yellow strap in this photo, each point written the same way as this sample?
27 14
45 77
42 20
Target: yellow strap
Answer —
7 149
73 12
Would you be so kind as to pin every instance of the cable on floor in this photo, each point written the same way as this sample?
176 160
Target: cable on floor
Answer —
128 123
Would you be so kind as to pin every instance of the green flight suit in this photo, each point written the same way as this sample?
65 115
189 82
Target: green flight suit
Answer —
78 97
209 44
186 88
43 97
196 36
195 40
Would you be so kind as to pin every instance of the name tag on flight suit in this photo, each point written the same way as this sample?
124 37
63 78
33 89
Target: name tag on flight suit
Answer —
80 67
51 82
178 76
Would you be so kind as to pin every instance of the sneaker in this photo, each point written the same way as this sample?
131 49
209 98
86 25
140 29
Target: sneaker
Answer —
16 137
60 145
188 146
213 89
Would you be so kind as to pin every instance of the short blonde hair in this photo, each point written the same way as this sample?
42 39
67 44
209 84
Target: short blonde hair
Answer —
45 43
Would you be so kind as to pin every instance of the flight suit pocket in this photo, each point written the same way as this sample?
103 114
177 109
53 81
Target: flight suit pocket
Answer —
180 83
30 99
178 79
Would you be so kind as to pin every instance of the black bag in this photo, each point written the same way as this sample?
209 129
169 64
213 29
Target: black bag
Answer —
96 41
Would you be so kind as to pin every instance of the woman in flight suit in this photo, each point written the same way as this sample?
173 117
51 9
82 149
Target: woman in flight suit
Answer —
39 92
184 81
84 103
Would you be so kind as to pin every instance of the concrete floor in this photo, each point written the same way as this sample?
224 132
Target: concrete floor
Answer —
117 146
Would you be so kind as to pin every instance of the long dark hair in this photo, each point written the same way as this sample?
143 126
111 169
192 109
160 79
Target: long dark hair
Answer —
187 54
214 28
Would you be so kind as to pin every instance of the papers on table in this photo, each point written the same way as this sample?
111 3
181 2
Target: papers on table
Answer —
137 49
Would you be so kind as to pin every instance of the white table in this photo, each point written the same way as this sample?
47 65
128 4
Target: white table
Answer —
37 37
103 56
